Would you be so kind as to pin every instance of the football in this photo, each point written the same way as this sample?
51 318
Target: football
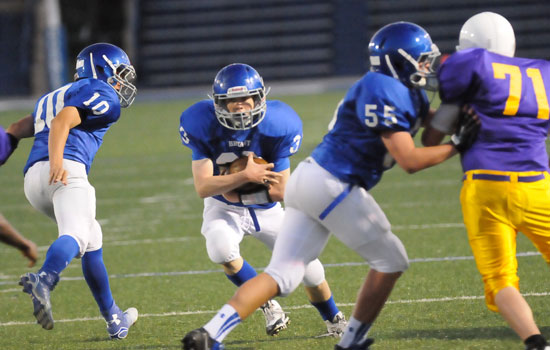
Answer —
239 165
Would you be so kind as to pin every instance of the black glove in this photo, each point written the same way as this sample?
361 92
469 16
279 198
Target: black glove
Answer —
466 130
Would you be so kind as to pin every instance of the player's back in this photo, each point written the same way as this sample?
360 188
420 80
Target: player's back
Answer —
510 96
98 106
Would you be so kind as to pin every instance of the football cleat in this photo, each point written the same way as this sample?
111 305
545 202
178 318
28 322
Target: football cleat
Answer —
199 339
364 346
38 286
275 318
337 326
119 323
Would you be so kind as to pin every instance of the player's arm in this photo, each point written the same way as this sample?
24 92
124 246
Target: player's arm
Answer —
9 139
207 184
442 123
10 236
22 128
63 122
401 146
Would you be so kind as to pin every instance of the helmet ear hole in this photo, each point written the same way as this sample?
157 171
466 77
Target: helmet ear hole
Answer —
399 66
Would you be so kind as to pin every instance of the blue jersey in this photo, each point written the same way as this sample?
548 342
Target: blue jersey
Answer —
275 139
510 95
353 150
99 107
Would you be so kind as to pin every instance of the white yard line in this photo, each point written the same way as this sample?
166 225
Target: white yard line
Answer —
298 307
11 279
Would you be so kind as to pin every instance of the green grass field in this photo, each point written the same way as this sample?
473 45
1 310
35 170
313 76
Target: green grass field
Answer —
157 261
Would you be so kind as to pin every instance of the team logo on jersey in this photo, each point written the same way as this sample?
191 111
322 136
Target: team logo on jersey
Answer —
235 143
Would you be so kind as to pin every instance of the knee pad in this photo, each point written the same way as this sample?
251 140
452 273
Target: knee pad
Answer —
314 274
385 254
221 250
288 276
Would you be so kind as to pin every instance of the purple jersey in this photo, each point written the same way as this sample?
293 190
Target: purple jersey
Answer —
5 146
510 96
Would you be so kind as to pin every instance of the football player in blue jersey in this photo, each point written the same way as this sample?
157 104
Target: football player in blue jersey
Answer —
68 125
238 122
328 193
8 233
506 182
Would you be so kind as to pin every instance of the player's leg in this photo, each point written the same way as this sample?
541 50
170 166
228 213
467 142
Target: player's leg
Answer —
97 278
492 237
45 197
282 276
223 234
360 223
535 224
316 287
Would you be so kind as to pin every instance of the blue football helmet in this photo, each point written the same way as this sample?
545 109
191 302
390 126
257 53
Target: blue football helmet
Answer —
110 64
239 80
405 51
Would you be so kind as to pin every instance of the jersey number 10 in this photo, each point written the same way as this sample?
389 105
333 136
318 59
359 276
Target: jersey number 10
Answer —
501 70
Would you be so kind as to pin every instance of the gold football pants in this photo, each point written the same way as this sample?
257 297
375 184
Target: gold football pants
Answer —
496 205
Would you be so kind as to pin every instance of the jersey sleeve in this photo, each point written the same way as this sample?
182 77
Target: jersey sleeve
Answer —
290 142
193 133
457 76
382 104
445 118
97 102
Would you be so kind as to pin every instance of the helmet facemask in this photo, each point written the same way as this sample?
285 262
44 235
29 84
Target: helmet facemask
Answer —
122 81
426 66
241 120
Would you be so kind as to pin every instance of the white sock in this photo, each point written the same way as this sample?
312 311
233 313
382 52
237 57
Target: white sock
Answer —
355 333
220 325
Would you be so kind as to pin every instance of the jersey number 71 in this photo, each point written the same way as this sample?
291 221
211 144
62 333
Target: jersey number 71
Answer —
501 70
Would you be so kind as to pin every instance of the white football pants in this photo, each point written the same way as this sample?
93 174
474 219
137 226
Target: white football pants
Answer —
357 221
224 227
72 207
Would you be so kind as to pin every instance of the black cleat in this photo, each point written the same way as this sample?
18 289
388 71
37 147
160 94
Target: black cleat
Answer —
364 346
199 339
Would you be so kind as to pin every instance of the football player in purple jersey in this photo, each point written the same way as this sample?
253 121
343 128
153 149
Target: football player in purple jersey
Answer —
327 193
8 233
237 122
68 125
506 186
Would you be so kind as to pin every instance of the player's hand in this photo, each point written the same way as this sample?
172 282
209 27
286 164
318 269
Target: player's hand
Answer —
261 173
30 251
466 130
58 173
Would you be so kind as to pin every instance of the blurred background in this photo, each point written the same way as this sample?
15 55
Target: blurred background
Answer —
177 46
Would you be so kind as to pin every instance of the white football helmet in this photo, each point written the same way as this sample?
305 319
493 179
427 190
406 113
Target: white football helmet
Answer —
490 31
